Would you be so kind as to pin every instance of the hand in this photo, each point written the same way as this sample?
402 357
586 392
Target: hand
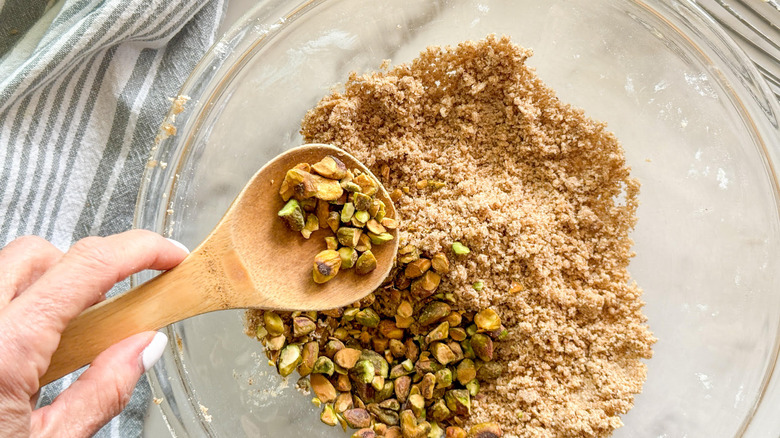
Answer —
41 290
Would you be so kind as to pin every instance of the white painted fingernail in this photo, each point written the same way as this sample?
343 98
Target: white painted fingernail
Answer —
179 244
154 351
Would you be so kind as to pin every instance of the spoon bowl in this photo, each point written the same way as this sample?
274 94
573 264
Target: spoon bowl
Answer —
250 260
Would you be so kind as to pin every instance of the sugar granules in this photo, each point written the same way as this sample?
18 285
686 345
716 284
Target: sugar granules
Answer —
542 196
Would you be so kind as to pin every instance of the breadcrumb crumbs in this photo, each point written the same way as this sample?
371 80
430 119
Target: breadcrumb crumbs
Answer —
542 197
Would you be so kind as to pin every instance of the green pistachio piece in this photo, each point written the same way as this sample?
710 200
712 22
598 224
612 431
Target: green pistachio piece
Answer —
326 266
443 378
466 371
482 346
348 257
292 213
363 371
473 387
302 326
379 239
361 216
357 418
433 312
487 320
289 358
347 212
273 323
439 333
323 365
330 167
331 243
334 220
328 415
367 317
490 371
381 367
439 410
365 263
362 201
485 430
348 236
459 248
386 416
309 354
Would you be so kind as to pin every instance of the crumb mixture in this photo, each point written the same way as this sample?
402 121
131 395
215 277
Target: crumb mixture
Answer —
542 196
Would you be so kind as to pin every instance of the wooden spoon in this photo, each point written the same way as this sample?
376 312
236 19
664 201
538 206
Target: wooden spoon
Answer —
250 260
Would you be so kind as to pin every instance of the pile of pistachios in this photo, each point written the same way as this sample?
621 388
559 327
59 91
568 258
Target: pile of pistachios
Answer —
328 194
402 362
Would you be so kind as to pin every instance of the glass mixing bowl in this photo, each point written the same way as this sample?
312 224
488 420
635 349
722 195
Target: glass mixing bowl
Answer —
698 127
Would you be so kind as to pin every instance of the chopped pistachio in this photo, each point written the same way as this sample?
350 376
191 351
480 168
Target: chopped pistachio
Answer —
459 248
350 186
343 402
485 430
357 418
440 263
391 404
332 243
433 312
387 416
330 167
443 378
289 358
326 266
482 346
347 212
363 371
381 367
365 263
421 184
312 225
379 239
417 268
439 410
459 401
473 387
302 326
361 216
411 428
401 386
309 354
442 352
323 388
326 189
404 309
454 432
417 403
490 371
261 332
348 257
364 243
348 236
367 184
375 227
389 330
396 195
273 323
427 385
309 204
334 220
323 365
487 320
292 213
346 357
426 285
298 183
478 285
332 346
367 317
389 223
439 333
362 201
408 254
328 415
275 343
515 287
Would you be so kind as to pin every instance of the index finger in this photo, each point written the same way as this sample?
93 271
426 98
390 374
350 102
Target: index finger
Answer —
83 276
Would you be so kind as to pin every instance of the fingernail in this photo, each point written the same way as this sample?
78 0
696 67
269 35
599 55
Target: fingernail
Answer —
179 244
154 351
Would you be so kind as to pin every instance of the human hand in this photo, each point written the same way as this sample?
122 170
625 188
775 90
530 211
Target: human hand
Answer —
41 290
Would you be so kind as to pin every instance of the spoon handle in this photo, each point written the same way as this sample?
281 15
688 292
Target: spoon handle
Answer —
171 296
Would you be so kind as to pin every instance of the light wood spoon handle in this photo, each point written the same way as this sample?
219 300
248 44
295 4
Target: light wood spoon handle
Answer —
172 296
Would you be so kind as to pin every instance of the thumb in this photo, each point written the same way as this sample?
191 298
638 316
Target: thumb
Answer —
102 391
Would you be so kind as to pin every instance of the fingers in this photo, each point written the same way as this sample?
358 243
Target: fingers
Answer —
22 262
33 322
87 271
102 391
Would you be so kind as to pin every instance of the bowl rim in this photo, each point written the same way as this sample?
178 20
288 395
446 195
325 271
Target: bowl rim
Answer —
222 61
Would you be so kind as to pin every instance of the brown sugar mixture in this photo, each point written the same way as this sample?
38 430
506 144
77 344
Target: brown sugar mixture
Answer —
484 153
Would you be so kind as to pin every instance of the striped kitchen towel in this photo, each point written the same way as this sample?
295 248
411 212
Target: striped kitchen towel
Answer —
84 86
